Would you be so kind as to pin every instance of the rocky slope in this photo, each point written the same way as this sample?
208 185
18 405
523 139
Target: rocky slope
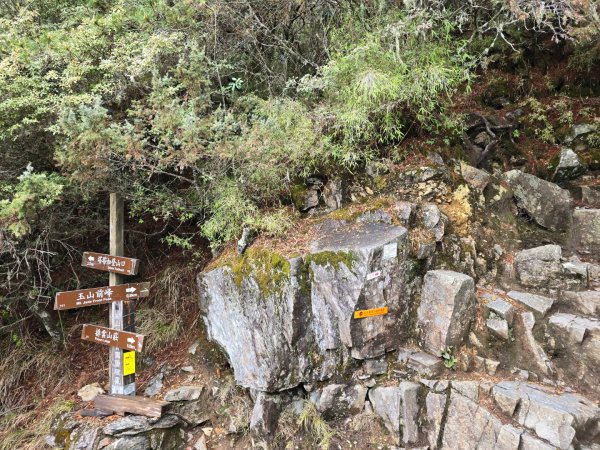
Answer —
491 338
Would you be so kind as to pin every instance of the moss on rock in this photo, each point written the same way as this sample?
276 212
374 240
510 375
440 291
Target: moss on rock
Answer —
270 270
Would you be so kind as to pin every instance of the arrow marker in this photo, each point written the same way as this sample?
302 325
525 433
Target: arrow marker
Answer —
130 340
131 289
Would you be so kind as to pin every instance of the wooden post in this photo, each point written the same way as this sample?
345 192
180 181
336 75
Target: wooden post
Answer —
122 314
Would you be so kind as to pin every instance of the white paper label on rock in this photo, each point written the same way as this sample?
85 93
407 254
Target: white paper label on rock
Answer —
374 275
390 251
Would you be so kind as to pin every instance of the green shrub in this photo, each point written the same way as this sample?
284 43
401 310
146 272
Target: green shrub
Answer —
396 76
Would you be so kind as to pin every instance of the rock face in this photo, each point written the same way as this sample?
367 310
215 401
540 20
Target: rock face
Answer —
446 310
283 322
546 203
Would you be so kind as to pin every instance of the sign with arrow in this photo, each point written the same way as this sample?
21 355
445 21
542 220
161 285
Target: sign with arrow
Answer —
100 295
113 338
109 263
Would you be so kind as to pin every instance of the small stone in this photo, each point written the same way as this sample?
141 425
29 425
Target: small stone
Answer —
509 438
208 431
188 369
590 195
476 178
569 166
503 309
469 389
194 348
184 393
498 327
90 392
405 212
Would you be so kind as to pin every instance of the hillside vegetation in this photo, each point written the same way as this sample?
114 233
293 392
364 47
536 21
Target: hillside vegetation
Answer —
210 117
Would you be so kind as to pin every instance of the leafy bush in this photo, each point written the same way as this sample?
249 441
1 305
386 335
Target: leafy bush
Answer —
397 76
28 199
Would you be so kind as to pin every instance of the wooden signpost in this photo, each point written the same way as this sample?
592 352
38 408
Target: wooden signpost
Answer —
100 295
113 338
120 336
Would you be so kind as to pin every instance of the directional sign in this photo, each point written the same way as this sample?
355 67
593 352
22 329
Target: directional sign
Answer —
370 312
100 295
108 263
113 338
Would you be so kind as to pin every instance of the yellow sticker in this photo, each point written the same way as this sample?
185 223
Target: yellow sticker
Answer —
370 312
128 363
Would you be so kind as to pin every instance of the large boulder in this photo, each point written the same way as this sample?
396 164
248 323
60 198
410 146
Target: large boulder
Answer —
447 309
546 203
285 322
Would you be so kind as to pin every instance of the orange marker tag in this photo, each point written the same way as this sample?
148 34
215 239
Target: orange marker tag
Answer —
370 312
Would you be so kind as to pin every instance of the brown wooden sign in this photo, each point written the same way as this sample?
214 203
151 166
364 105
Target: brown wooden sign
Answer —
113 338
100 295
108 263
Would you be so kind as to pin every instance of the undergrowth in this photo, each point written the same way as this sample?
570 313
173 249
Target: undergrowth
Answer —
28 431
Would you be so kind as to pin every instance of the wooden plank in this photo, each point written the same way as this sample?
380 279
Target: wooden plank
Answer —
110 263
121 404
100 295
113 338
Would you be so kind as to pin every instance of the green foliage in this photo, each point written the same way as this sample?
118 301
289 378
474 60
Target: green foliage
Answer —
34 193
449 359
381 83
538 118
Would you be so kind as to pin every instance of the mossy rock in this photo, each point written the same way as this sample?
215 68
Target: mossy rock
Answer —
270 270
330 258
298 192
